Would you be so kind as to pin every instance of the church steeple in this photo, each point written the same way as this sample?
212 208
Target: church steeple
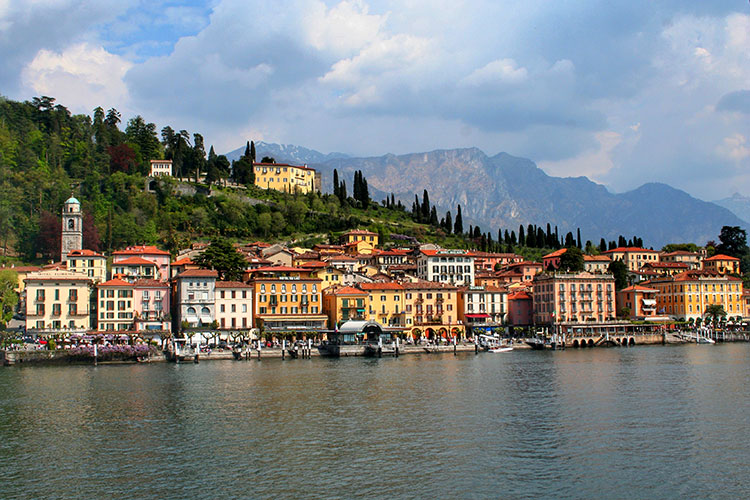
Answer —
72 227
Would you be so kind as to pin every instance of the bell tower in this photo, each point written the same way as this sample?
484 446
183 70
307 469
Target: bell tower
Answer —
72 227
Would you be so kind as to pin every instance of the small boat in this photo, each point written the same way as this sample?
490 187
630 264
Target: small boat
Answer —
501 349
706 340
536 343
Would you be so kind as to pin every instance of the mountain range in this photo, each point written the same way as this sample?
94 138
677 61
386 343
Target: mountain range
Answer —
503 192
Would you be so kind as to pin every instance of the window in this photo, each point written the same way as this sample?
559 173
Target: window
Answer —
73 295
73 309
221 308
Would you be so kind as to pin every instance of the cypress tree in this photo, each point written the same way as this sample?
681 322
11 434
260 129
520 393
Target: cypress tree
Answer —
506 237
578 239
416 210
448 222
252 151
621 241
425 206
458 226
521 236
602 245
513 238
569 240
531 236
541 238
477 232
336 183
548 237
433 217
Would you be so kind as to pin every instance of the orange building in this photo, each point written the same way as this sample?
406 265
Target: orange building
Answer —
722 264
633 257
344 303
431 309
573 298
687 295
639 302
288 304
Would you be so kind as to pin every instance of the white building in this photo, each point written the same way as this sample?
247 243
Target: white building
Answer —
161 168
234 305
195 298
455 267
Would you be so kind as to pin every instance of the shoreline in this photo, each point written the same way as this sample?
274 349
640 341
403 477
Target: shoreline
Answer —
61 357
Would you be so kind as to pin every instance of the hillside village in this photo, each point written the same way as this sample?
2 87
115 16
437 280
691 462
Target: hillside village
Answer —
417 291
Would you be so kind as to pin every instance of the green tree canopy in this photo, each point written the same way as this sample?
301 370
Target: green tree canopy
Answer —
620 272
572 260
8 295
221 256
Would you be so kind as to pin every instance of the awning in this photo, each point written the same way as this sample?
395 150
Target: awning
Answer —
649 302
206 320
191 319
477 316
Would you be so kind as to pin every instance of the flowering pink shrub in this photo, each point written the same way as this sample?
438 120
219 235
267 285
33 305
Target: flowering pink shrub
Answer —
111 352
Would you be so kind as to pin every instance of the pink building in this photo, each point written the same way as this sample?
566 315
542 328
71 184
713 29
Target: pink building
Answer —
520 308
151 306
573 298
148 252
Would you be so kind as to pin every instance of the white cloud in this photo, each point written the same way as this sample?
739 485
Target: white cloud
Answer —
80 77
735 148
593 163
498 71
344 28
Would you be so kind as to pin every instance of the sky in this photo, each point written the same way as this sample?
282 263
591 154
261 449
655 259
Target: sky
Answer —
623 92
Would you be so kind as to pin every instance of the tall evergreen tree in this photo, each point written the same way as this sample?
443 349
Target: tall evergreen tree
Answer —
448 222
521 236
252 151
336 183
578 237
602 245
513 238
458 226
425 206
433 216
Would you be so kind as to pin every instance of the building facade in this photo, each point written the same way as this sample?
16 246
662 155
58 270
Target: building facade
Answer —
72 227
288 304
57 300
116 310
195 299
573 298
688 295
234 305
88 262
284 177
455 267
160 168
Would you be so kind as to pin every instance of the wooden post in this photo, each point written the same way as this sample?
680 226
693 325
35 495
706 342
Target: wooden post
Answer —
283 348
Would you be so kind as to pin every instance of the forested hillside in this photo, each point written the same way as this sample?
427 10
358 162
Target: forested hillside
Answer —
47 153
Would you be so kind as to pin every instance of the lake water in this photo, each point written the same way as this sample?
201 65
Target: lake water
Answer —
642 422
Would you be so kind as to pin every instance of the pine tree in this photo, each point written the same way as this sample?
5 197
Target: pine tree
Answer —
458 226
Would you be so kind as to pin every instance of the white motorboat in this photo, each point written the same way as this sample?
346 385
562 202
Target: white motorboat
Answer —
501 349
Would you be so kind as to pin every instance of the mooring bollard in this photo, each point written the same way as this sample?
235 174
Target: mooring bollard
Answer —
283 348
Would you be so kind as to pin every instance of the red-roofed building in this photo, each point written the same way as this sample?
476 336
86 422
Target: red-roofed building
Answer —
482 309
633 257
234 305
287 178
135 268
573 298
159 257
637 302
693 259
116 305
722 264
386 303
57 300
455 267
88 262
489 261
520 308
344 303
665 268
688 295
151 304
181 265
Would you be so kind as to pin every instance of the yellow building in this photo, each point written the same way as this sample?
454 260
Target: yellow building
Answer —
345 303
687 295
356 235
328 276
284 177
116 305
386 303
722 264
431 310
633 257
57 300
88 262
288 305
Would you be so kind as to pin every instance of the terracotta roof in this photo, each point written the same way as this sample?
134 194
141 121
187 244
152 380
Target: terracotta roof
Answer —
673 265
680 252
448 253
720 256
313 264
394 252
638 288
694 275
141 249
84 253
275 165
521 295
183 262
198 273
135 261
151 284
345 258
348 290
381 286
360 231
556 253
596 258
277 269
116 282
232 284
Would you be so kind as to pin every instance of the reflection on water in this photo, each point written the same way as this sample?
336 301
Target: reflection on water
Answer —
648 422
